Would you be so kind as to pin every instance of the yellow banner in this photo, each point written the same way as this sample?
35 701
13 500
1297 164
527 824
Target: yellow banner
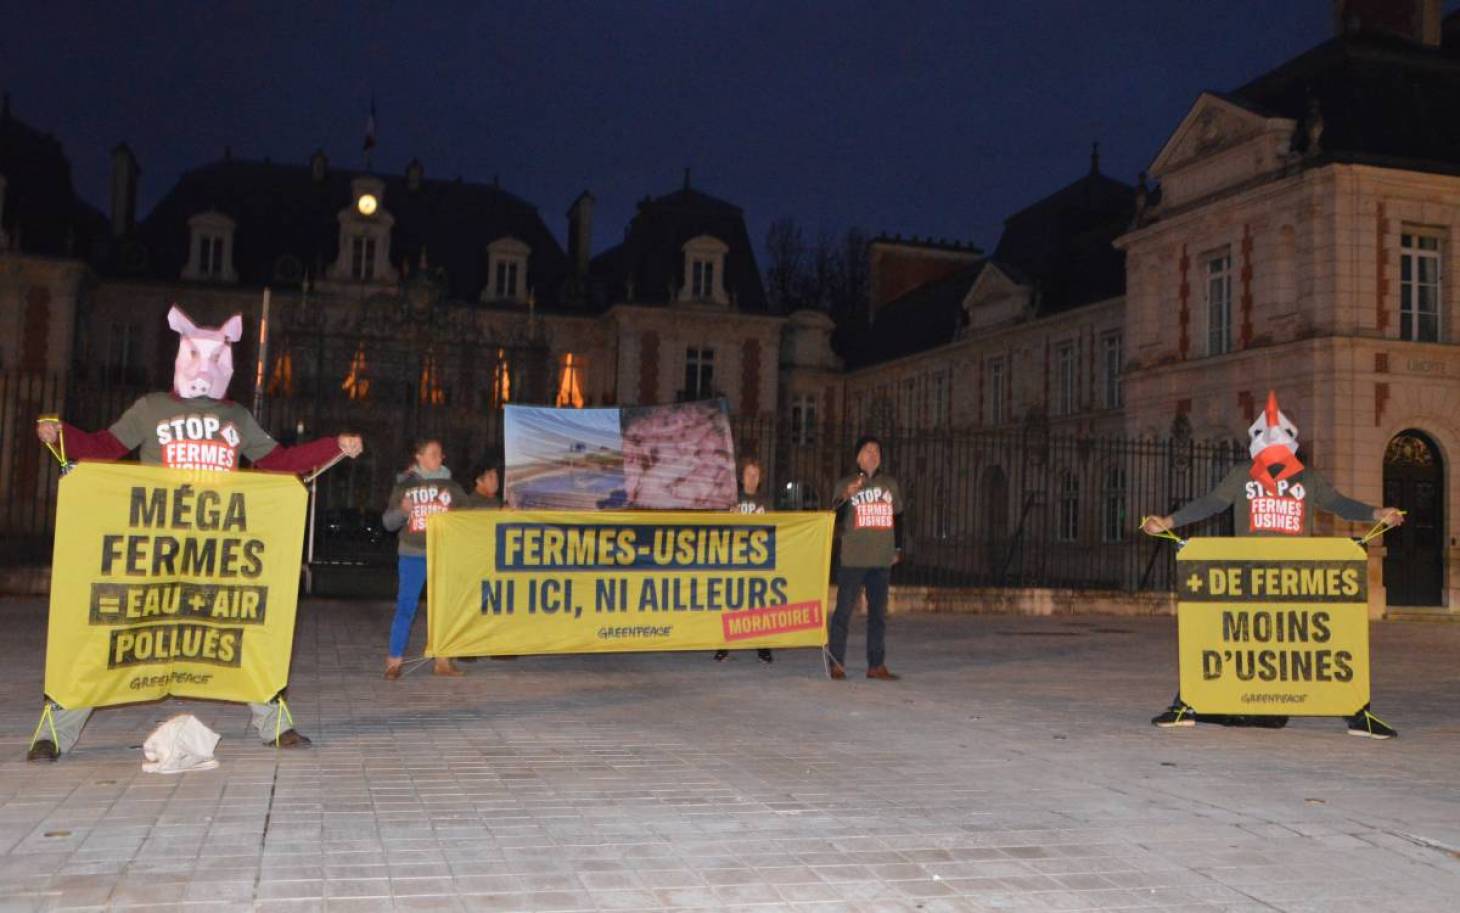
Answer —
515 582
1272 626
172 582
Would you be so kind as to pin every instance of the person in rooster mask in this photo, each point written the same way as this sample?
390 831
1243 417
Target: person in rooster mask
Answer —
1276 496
192 427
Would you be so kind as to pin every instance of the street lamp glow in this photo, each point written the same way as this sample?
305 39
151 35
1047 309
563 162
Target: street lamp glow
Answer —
366 204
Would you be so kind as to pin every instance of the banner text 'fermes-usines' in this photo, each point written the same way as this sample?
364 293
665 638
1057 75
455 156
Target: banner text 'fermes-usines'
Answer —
540 547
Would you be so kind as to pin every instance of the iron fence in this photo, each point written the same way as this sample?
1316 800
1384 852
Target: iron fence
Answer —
1016 508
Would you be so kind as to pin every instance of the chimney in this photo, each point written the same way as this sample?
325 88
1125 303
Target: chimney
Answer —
415 171
580 232
319 163
124 190
1417 20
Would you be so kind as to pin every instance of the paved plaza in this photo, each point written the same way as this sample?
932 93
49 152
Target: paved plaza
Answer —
1012 769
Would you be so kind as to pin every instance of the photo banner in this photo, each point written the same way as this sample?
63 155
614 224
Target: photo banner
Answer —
675 457
168 582
523 582
1271 626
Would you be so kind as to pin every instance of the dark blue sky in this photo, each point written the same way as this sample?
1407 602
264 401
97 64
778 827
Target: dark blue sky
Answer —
928 118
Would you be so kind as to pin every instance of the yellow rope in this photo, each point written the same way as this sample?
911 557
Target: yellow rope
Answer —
48 718
279 718
1380 528
1164 534
60 455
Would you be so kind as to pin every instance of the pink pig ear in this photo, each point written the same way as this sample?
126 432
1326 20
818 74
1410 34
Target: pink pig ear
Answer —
233 329
180 322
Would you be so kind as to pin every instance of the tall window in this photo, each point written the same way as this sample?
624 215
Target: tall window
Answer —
702 278
1110 358
124 354
570 383
699 374
997 389
803 418
431 392
506 281
1067 393
941 383
1219 302
362 257
210 255
1112 506
357 383
1419 287
1069 517
501 380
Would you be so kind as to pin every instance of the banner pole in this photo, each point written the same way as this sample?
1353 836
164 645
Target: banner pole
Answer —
263 356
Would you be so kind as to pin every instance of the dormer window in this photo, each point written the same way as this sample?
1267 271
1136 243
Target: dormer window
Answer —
365 225
210 252
704 270
362 257
506 270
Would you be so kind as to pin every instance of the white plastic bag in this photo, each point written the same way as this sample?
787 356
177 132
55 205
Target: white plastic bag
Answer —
179 745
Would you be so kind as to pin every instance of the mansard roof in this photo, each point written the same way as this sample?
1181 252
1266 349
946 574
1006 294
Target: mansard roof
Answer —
1383 100
287 221
43 214
651 257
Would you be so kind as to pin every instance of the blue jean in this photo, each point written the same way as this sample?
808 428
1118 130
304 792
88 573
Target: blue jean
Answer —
849 580
412 571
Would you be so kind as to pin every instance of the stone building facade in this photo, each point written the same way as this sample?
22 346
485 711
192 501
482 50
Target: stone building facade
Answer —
1303 240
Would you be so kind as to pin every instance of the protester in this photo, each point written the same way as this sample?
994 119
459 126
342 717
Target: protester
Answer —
424 489
869 514
1270 511
486 493
191 427
749 501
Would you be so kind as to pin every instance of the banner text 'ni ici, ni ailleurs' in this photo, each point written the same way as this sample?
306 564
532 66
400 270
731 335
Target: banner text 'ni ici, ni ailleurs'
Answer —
172 582
614 581
1273 626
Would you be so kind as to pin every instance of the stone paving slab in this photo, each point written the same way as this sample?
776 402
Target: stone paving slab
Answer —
1012 769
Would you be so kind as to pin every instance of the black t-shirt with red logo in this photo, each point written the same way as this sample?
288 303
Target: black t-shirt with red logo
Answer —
1285 509
196 433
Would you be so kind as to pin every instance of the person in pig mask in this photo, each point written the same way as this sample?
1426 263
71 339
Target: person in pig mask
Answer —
1273 496
192 427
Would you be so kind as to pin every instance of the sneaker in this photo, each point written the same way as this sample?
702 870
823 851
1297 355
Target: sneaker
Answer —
1367 726
764 656
721 655
1175 715
43 750
290 738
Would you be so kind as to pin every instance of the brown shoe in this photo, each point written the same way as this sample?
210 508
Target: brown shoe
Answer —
883 673
392 671
445 667
290 738
835 670
43 750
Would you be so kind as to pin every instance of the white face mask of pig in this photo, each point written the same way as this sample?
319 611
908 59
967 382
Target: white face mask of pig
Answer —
1274 444
204 363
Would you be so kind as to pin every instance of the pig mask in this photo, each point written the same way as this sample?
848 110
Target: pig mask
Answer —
1274 443
204 357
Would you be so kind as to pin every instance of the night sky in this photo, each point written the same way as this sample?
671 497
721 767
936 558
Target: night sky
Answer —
927 118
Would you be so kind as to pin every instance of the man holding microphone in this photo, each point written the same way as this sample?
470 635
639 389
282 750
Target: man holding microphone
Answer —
869 513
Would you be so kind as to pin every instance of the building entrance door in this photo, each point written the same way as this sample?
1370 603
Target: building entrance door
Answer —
1414 481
